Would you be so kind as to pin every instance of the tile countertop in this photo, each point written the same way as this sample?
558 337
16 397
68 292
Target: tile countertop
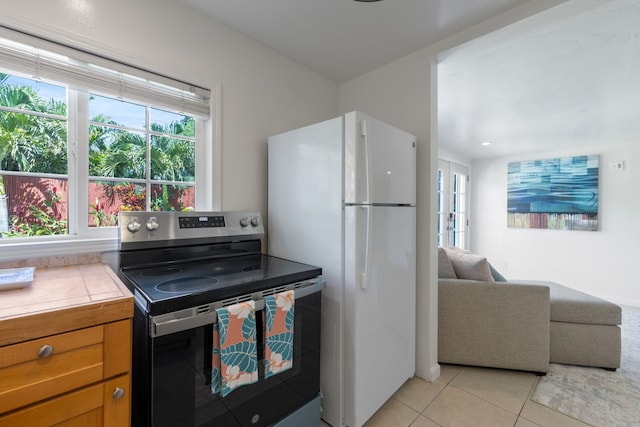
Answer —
61 299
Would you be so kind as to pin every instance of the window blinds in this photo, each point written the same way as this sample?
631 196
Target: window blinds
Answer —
41 59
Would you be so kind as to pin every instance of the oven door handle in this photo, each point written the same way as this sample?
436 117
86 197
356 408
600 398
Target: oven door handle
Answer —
182 320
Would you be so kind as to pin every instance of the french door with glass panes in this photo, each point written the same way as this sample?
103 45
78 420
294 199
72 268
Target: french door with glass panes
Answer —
453 204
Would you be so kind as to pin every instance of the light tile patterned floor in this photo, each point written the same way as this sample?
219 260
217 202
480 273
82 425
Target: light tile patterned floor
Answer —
469 396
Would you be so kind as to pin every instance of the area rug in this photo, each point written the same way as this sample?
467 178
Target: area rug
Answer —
596 396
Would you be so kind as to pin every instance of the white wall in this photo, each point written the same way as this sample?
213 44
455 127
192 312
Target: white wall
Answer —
603 263
263 93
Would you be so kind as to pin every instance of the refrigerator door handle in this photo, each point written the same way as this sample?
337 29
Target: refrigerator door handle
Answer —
367 244
367 160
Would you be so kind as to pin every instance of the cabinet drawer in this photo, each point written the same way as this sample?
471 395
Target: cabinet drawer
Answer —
104 404
42 368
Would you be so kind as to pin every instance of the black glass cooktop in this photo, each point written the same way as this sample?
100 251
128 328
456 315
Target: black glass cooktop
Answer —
184 285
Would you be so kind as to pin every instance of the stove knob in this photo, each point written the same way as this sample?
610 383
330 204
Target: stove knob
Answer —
255 221
134 225
244 221
152 224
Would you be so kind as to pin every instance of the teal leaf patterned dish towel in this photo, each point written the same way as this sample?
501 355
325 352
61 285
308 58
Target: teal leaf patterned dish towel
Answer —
236 341
278 332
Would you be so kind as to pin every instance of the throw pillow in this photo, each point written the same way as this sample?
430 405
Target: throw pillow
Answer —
470 266
457 249
496 274
445 269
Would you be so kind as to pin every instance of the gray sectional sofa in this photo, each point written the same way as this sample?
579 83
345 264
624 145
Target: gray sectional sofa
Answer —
521 325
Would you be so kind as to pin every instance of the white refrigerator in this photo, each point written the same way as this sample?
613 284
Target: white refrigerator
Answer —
342 196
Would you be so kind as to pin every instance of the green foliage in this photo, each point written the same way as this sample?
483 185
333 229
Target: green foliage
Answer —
161 203
172 159
35 221
30 143
101 217
132 196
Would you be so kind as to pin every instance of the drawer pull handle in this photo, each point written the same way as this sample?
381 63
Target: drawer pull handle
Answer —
45 351
118 393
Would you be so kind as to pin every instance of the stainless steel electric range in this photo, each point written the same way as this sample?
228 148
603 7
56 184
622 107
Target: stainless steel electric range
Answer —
181 267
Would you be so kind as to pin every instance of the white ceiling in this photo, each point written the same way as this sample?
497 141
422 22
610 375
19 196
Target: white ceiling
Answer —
343 39
567 77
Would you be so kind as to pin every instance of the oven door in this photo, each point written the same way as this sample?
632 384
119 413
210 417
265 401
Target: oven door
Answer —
174 385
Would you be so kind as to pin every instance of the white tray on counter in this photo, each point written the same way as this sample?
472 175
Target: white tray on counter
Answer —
16 278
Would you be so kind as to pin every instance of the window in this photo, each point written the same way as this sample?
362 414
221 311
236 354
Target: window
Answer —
33 157
140 158
80 141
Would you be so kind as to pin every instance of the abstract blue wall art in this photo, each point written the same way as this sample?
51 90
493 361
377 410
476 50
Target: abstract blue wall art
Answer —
558 194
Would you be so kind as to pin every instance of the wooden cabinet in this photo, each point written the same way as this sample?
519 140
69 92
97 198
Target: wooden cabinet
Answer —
78 377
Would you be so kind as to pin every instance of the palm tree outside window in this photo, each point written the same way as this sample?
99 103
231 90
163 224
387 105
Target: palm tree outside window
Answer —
124 156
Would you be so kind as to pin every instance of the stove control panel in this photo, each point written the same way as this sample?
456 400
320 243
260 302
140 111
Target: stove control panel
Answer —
201 221
152 227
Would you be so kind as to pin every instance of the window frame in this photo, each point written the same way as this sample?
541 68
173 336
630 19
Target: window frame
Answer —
84 239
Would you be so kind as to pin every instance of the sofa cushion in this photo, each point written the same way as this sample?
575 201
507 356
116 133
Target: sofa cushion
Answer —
573 306
497 277
445 269
469 266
